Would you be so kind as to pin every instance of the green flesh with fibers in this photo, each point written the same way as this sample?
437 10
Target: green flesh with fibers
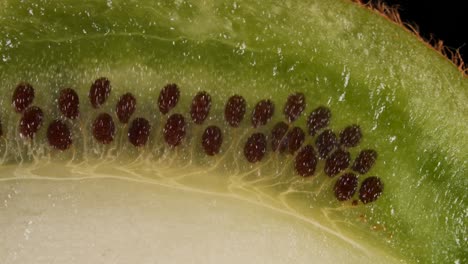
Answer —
409 101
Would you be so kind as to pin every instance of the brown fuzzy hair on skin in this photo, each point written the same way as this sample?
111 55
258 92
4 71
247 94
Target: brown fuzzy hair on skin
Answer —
391 13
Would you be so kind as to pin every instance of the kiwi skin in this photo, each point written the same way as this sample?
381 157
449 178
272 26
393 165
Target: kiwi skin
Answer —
409 101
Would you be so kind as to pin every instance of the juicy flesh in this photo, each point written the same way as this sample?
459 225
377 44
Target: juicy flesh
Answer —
409 102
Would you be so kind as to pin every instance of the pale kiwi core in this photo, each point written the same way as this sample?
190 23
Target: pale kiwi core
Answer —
106 215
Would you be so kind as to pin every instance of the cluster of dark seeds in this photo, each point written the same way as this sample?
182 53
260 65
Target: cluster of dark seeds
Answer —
285 138
334 150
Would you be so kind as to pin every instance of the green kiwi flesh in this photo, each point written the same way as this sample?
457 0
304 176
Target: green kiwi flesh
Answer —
409 101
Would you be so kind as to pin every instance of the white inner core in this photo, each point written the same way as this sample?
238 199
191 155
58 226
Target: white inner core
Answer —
114 220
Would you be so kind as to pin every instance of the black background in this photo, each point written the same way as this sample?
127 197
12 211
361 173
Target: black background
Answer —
444 20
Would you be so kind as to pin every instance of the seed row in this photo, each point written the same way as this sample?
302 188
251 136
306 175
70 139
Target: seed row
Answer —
285 138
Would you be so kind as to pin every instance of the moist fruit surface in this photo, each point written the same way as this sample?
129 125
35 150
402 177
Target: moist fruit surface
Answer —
323 111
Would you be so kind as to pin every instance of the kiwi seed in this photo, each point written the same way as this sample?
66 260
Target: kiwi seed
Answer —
59 135
364 161
139 131
346 186
69 103
294 106
318 119
211 140
255 147
104 128
295 138
278 137
326 142
168 98
174 130
31 122
23 96
306 161
337 162
125 107
99 92
350 136
262 113
371 189
235 110
200 109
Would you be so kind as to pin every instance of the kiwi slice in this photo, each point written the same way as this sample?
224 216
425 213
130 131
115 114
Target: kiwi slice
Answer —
200 132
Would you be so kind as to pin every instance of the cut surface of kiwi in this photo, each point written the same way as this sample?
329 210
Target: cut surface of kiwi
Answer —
208 131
